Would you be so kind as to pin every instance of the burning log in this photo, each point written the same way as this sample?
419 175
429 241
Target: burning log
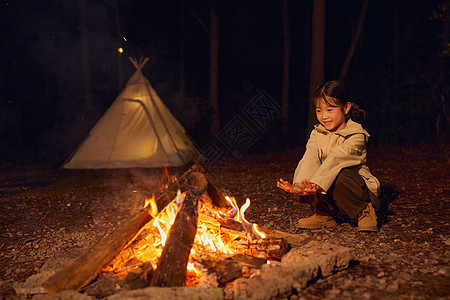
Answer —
249 261
181 184
173 262
86 267
266 248
174 258
275 237
228 270
217 197
139 277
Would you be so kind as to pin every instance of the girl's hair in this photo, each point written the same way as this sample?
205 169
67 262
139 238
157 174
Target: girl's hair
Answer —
340 94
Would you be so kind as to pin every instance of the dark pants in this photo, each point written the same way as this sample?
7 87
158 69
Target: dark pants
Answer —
348 195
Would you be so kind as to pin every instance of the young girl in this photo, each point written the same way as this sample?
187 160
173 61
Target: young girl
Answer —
332 177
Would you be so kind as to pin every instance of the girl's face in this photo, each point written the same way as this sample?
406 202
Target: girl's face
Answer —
332 117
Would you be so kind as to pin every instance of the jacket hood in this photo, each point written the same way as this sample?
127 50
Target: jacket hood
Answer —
351 128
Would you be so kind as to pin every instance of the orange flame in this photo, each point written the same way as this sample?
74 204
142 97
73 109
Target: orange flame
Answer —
240 217
166 180
167 217
256 230
153 207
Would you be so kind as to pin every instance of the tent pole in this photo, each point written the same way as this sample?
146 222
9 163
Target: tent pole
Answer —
151 122
163 121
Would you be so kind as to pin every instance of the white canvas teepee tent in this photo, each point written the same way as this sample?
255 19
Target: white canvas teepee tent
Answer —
137 130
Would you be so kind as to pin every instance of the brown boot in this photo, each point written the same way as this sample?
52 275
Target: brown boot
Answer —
367 219
316 221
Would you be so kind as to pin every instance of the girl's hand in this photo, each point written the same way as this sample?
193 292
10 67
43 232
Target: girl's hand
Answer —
305 187
309 187
285 185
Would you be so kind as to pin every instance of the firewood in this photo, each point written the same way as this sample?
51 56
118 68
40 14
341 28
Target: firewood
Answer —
294 240
127 259
228 270
230 224
233 226
217 197
171 270
249 261
219 200
181 184
198 183
86 267
264 248
139 278
213 199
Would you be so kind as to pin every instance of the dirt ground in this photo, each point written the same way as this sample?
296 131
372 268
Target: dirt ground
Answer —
47 212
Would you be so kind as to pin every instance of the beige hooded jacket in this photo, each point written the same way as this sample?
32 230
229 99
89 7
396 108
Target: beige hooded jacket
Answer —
327 153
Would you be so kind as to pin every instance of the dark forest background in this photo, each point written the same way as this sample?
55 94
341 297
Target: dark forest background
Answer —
60 68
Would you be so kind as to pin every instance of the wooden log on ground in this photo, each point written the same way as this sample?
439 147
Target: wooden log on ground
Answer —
213 199
82 270
127 259
139 278
181 183
217 197
172 267
249 261
294 240
268 248
198 184
227 270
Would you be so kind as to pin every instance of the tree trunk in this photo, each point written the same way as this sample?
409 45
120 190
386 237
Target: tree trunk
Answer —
443 118
396 47
182 79
85 56
317 75
119 45
286 65
214 67
355 40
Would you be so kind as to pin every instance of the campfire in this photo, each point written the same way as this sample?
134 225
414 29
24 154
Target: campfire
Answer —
213 244
197 238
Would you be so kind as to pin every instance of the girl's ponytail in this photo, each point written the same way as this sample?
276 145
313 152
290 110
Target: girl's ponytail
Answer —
357 114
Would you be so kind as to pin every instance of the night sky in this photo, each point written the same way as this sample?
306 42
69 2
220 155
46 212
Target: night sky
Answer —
43 116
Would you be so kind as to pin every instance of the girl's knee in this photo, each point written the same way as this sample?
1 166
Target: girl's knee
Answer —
348 177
